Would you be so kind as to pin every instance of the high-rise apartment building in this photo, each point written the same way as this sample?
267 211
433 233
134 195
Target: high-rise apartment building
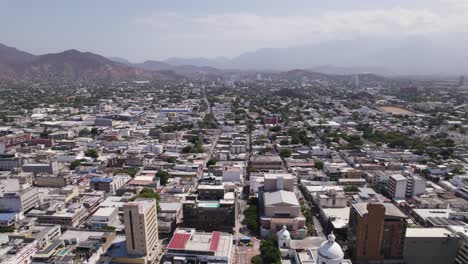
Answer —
400 186
376 233
141 227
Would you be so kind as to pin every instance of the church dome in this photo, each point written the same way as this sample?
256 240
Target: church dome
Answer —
284 233
330 249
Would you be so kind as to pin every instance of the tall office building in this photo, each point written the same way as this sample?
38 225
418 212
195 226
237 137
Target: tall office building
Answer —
376 233
141 227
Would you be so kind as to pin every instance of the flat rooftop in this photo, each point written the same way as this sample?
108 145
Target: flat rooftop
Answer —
80 235
187 239
390 210
105 211
398 177
338 216
428 232
426 213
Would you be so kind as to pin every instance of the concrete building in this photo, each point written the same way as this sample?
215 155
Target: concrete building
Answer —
281 208
23 200
415 186
266 163
141 228
50 168
399 186
331 199
278 181
396 186
111 184
104 217
9 162
48 180
168 216
212 209
462 232
430 245
72 216
104 122
189 246
376 233
15 250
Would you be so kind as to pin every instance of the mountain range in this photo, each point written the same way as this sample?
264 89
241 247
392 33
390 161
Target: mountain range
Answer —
386 56
71 65
404 56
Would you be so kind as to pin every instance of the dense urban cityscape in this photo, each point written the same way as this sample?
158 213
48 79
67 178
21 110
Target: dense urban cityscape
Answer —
346 142
296 167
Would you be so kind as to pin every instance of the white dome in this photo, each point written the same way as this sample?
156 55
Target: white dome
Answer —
284 233
330 249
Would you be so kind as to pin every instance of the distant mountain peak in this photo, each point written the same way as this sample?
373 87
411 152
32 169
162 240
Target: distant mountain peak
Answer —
69 65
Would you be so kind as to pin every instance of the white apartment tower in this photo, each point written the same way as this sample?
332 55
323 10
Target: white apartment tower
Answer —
141 227
399 186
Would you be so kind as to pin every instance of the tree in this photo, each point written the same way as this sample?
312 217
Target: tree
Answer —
251 218
284 142
458 170
163 176
171 159
275 129
83 132
130 171
187 149
44 133
351 188
148 193
94 131
256 260
92 153
318 165
270 252
75 164
285 153
211 162
307 212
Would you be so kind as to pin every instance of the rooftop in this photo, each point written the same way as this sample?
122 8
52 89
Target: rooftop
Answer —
187 239
281 197
428 232
390 210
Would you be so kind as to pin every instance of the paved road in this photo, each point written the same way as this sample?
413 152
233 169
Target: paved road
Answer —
318 227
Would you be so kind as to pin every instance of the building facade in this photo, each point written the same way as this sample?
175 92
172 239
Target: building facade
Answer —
376 233
141 227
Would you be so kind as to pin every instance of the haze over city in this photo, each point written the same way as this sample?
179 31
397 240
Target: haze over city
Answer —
401 37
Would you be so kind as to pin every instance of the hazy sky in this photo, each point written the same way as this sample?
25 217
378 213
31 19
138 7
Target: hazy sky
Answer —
157 29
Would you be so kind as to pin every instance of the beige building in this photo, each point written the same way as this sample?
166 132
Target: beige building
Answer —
141 228
281 208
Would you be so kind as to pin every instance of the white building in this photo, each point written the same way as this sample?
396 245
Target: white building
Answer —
105 217
311 250
399 186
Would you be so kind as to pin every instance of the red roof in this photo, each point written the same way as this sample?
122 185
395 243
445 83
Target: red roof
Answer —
179 241
215 241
